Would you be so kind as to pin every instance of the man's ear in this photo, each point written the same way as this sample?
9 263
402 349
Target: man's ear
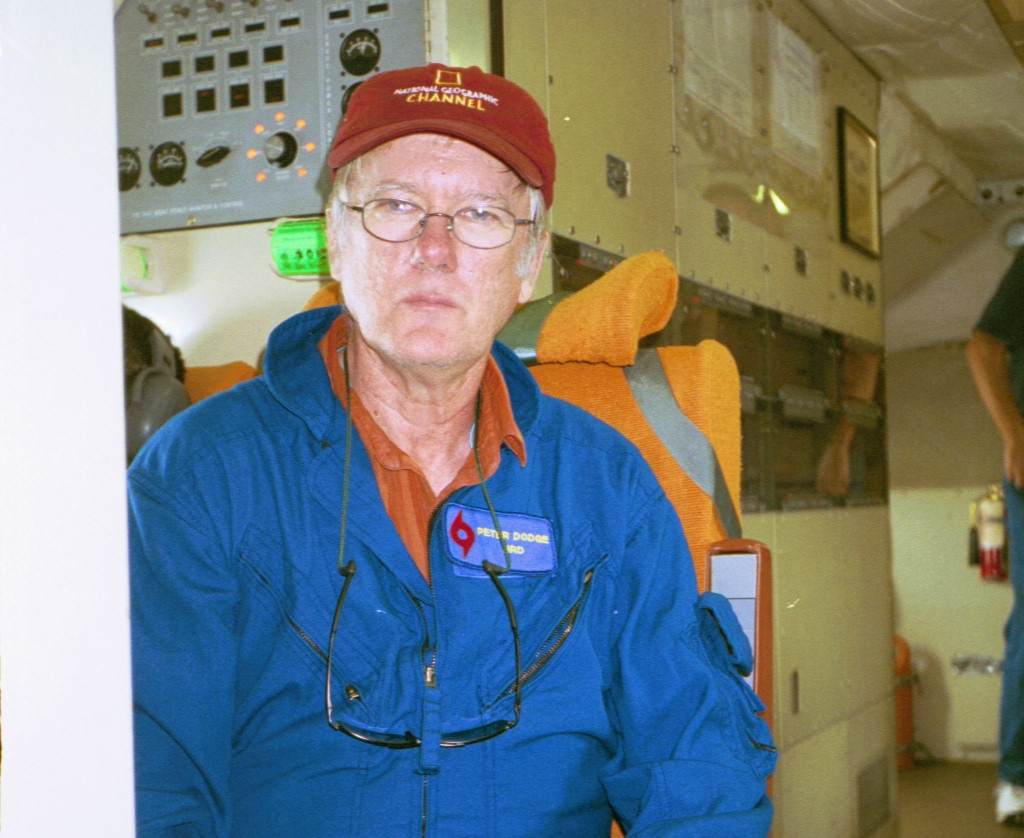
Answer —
529 281
333 251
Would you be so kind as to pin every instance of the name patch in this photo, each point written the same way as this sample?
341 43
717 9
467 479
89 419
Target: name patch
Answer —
471 538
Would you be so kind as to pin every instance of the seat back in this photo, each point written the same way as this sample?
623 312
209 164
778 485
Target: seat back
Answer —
705 384
205 381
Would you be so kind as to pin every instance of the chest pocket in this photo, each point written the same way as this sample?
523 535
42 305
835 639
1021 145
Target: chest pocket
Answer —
290 595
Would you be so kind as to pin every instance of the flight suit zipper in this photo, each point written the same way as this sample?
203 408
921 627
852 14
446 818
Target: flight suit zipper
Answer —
423 820
554 641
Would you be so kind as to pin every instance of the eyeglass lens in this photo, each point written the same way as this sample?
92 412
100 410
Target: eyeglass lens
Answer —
482 227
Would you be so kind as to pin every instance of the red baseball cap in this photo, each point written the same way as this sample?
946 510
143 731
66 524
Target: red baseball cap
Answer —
465 102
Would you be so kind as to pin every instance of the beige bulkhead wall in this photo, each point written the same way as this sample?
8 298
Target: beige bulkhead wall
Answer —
616 84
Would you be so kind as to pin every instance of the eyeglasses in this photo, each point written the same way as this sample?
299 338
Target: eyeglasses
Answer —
407 739
483 227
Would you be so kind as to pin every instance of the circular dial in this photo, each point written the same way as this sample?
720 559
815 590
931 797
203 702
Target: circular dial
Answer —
129 167
280 149
348 95
360 52
167 163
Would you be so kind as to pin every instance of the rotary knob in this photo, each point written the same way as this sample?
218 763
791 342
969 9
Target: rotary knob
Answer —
280 149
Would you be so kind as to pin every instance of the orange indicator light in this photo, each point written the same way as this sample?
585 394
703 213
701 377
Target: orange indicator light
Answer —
310 146
303 172
259 129
300 124
261 176
279 116
251 153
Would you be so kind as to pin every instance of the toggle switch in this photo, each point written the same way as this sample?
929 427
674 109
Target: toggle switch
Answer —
213 156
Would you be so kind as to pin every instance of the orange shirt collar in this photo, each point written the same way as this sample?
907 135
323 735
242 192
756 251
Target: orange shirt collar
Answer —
497 422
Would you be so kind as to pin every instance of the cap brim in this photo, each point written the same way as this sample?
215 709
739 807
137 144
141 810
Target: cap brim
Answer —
353 146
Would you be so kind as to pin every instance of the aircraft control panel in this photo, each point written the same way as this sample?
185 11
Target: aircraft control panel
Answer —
226 108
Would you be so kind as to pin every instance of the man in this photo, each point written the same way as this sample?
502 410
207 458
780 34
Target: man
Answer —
995 353
497 586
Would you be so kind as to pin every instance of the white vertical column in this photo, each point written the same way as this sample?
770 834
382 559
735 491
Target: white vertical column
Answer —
64 648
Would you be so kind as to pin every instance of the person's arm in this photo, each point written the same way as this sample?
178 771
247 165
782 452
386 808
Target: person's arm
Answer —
183 599
858 379
987 358
694 756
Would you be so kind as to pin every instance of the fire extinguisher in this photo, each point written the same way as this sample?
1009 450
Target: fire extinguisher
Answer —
903 698
989 533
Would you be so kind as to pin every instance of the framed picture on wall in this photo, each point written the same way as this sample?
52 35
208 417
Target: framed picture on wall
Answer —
859 214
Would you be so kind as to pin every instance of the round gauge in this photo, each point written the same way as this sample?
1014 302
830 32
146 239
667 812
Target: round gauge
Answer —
360 52
129 167
167 163
348 95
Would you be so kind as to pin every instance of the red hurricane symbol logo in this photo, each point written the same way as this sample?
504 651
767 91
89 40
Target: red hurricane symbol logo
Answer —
462 534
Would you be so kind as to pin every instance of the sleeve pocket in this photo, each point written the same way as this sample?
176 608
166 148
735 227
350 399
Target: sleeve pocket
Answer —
728 650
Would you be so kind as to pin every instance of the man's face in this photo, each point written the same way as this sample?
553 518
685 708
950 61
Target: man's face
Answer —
433 300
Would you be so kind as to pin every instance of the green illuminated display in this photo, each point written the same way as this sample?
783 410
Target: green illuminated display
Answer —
299 248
